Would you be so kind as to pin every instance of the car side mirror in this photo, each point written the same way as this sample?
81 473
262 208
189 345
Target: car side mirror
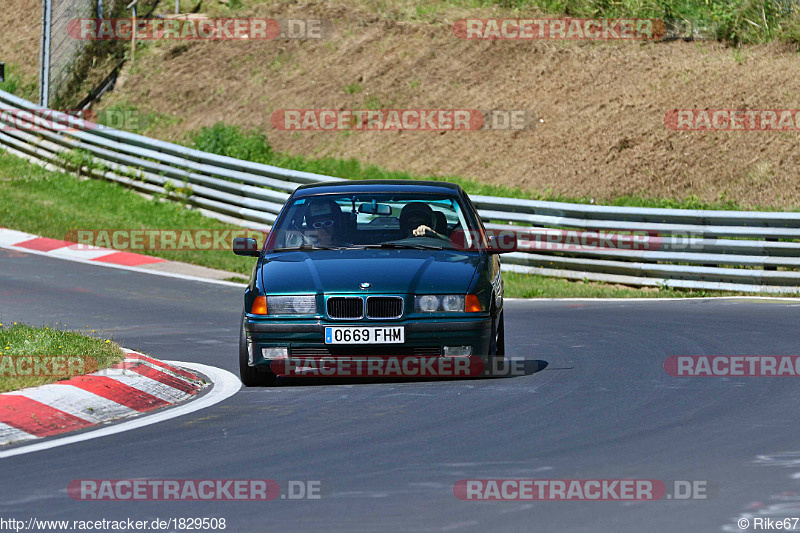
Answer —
246 246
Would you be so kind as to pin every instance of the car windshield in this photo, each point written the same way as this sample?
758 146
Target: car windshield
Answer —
379 220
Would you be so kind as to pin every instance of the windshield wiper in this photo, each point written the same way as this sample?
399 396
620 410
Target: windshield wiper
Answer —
397 245
306 247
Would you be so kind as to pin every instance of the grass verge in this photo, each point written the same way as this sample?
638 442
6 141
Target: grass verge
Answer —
68 353
518 285
51 204
16 84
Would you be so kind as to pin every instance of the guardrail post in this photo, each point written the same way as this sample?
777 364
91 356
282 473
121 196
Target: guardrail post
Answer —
770 239
132 7
44 54
714 238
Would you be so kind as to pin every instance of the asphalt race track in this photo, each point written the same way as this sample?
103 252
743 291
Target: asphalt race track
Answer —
388 454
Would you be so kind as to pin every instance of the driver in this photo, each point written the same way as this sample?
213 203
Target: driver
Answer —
417 220
323 219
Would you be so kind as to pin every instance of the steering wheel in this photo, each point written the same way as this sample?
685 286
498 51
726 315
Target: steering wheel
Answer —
296 238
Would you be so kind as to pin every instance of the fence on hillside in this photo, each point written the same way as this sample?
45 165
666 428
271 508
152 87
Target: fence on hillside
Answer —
61 59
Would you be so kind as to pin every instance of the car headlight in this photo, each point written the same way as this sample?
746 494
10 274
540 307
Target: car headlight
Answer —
453 302
446 303
292 305
427 304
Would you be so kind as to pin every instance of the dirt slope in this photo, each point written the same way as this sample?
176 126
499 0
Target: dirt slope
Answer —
19 41
602 104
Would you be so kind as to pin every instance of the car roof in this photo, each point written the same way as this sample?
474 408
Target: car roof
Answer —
374 186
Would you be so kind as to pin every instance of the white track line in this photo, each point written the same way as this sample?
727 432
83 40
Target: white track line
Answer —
224 386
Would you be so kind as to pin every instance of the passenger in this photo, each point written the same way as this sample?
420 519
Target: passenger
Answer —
324 223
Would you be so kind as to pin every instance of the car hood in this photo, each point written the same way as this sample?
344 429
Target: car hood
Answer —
387 271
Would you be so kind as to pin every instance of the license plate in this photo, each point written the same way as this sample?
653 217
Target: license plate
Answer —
369 335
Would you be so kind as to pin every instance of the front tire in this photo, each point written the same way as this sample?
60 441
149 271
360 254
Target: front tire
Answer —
497 347
500 344
249 375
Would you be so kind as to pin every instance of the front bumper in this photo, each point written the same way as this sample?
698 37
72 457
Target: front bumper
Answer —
421 337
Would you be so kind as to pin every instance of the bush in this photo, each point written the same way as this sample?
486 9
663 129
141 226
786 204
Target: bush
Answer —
232 142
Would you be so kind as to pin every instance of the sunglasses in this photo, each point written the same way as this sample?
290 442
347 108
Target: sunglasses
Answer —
319 224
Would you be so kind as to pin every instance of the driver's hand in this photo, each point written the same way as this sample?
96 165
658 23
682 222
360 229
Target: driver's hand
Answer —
421 231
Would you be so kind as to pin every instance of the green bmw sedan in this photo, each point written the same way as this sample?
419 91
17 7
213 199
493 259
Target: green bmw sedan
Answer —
359 269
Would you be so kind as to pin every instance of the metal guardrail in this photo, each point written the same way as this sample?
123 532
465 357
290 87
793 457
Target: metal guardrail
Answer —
702 249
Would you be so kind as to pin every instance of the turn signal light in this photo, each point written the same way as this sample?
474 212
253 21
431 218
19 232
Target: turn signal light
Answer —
472 304
259 306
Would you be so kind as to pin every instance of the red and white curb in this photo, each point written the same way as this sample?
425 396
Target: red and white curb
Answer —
137 385
83 253
10 238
